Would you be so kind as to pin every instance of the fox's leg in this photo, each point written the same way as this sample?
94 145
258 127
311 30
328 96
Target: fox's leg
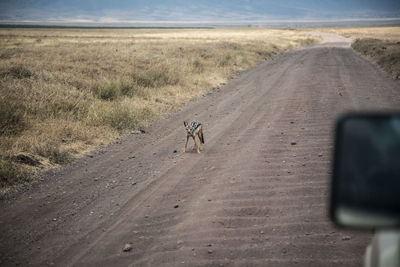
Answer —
200 146
187 139
197 145
201 135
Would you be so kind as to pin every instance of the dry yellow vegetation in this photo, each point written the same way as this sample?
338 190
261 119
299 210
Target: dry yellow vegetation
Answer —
382 33
65 91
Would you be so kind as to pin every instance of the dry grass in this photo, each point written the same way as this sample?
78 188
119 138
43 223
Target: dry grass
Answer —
384 53
64 92
382 33
381 45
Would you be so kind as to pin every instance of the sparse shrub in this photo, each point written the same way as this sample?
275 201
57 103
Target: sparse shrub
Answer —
364 46
60 107
127 88
12 119
384 53
390 60
19 72
121 115
198 66
229 45
5 54
132 90
225 60
168 77
144 115
121 118
109 91
11 174
307 41
26 158
142 79
142 92
113 90
157 77
54 153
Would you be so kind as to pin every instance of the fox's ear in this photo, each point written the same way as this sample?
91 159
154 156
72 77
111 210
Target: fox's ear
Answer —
185 123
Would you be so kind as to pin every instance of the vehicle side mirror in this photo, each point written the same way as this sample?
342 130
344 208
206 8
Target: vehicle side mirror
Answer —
366 171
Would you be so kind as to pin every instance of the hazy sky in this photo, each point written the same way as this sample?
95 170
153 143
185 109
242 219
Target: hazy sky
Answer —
125 11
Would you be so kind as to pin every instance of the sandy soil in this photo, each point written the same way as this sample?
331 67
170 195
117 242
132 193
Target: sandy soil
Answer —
257 195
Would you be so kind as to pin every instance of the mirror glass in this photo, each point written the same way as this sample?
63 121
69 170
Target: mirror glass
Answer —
366 174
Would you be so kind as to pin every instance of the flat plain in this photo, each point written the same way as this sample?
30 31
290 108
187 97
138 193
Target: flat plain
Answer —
64 92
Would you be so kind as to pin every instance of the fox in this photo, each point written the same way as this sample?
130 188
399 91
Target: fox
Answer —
192 129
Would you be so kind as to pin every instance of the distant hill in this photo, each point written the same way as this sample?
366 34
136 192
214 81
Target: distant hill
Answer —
207 11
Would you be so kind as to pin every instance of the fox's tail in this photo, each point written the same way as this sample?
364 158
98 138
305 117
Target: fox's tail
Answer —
201 136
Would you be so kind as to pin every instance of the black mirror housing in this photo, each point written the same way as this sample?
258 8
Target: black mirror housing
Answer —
365 189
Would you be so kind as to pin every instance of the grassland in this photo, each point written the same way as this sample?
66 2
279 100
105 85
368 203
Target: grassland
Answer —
64 92
381 45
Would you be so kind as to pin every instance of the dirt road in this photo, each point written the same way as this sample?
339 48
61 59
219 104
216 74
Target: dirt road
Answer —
257 195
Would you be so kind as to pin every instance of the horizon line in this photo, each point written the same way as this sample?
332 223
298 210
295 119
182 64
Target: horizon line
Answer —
210 22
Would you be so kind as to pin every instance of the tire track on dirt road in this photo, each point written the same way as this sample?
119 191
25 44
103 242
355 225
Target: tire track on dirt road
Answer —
256 196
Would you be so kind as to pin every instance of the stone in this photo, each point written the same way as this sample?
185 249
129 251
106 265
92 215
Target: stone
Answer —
127 247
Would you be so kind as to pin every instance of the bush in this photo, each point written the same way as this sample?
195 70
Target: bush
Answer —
12 119
198 66
114 90
121 116
109 91
384 53
11 174
19 72
62 107
225 60
54 153
127 88
367 46
157 77
142 80
132 90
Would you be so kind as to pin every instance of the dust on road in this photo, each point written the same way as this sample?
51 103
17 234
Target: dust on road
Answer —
257 195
